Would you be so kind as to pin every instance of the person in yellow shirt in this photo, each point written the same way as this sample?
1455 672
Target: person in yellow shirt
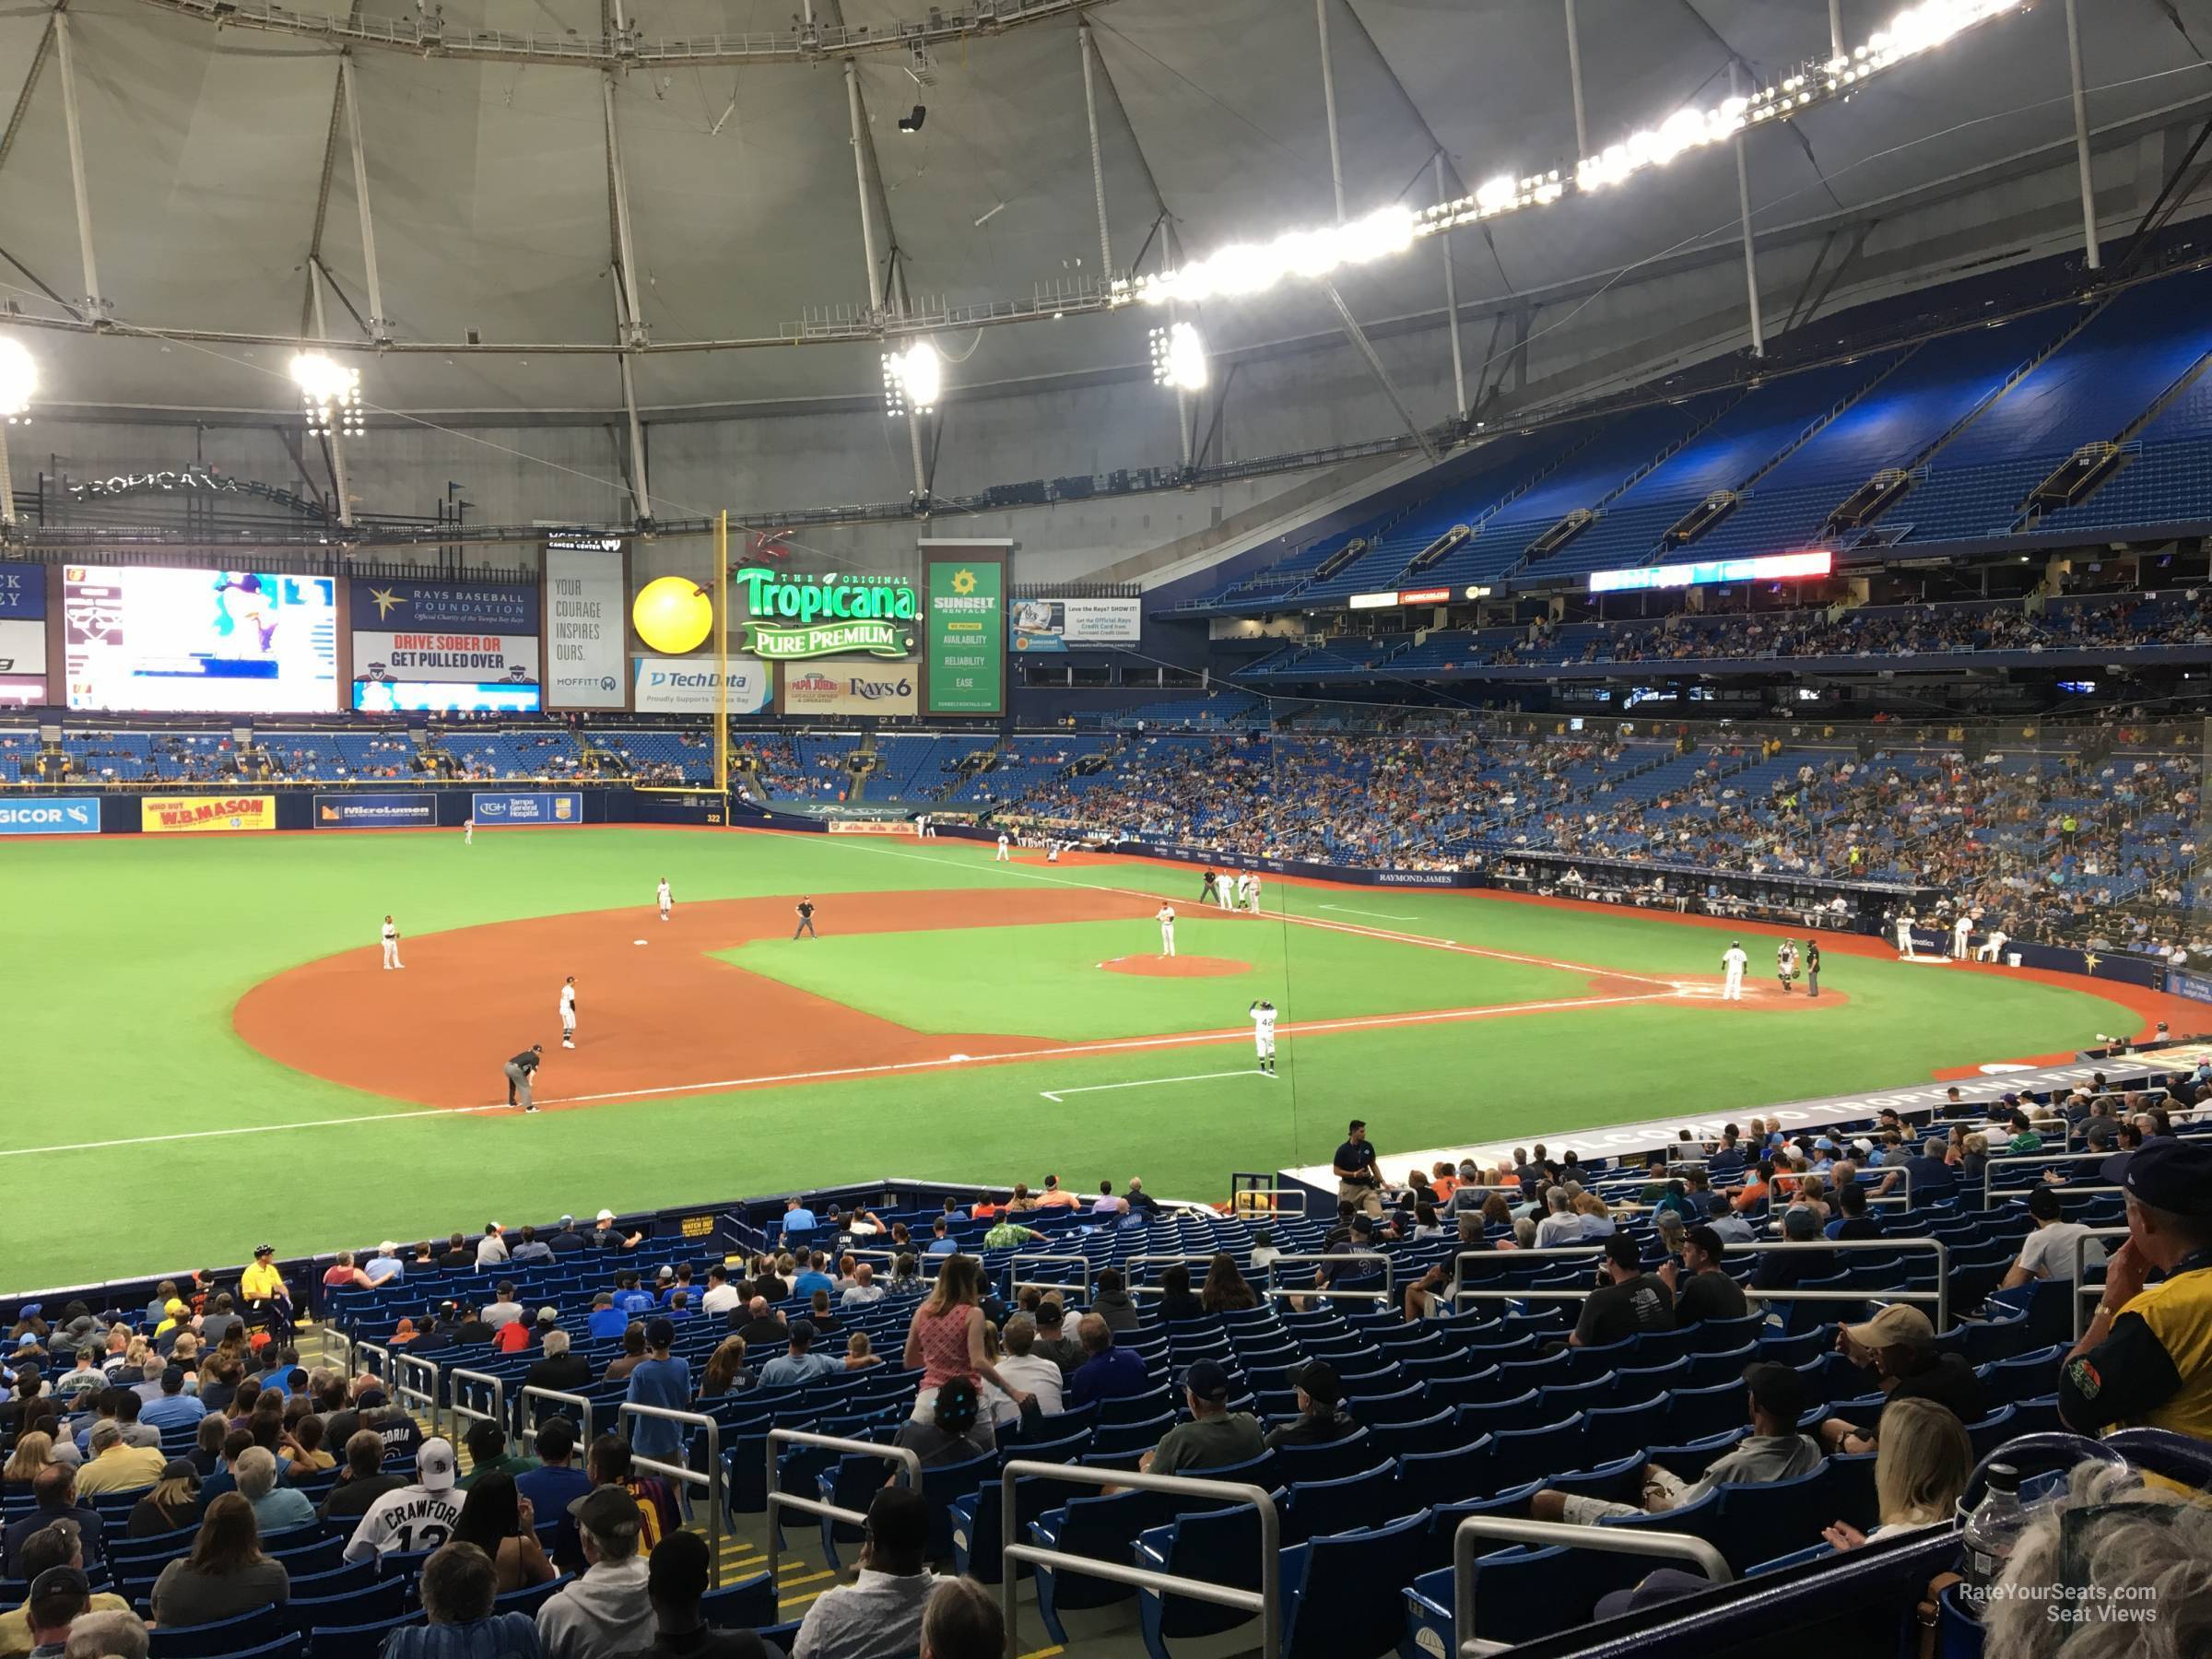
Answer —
116 1467
263 1287
56 1544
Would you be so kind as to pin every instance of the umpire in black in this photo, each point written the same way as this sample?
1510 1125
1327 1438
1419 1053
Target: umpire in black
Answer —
520 1072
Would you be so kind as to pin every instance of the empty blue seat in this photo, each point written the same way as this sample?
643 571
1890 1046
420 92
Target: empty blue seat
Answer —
386 1598
1331 1460
743 1606
1754 1516
1319 1507
224 1637
1105 1529
1524 1454
1221 1546
978 1520
1341 1592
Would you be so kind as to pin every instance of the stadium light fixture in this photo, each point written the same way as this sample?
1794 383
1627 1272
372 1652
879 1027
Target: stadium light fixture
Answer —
19 380
1178 357
331 392
1249 268
913 379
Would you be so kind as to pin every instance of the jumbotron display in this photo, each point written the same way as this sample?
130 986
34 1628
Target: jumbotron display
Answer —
200 641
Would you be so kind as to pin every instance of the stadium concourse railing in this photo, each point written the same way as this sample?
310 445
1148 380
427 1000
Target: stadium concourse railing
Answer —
1463 1290
395 1367
1266 1602
528 1427
1389 1275
711 1478
1467 1540
2039 1161
459 1411
2085 1289
905 1463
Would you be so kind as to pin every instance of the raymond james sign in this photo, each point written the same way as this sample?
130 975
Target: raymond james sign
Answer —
793 617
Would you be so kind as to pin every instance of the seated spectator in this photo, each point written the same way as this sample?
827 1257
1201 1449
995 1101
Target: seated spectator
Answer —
763 1326
488 1454
172 1504
1562 1224
342 1274
1107 1372
275 1509
720 1296
1918 1475
864 1292
1226 1288
460 1589
505 1311
558 1367
1899 1345
606 1322
725 1372
1854 1217
59 1545
362 1481
676 1585
385 1267
1320 1414
1112 1302
608 1610
815 1275
800 1364
1773 1451
1214 1436
659 1513
117 1467
302 1446
226 1574
502 1523
879 1614
107 1633
1929 1178
861 1355
1628 1302
2047 1253
1786 1269
631 1358
413 1516
556 1482
1176 1301
34 1451
957 1430
818 1315
59 1597
1703 1287
531 1249
961 1620
1029 1371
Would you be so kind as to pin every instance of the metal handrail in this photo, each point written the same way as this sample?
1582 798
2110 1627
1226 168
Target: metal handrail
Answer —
903 1458
1390 1274
1941 1294
1058 1259
428 1394
1238 1209
1133 1263
456 1412
2080 1261
2017 1160
1267 1601
1611 1540
711 1479
528 1436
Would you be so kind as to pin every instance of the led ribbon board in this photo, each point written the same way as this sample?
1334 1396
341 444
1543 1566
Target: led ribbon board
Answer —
1769 565
793 617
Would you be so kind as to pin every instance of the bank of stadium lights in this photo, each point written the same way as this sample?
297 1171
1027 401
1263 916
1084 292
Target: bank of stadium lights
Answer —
329 392
19 380
1249 268
1178 357
913 379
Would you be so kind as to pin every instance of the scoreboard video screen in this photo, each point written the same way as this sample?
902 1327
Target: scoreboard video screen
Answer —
200 641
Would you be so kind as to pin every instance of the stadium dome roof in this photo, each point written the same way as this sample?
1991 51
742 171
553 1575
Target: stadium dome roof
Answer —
217 166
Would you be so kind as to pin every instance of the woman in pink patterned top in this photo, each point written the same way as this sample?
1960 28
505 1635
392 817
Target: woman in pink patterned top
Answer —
946 1339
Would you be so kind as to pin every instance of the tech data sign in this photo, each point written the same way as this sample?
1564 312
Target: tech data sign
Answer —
793 618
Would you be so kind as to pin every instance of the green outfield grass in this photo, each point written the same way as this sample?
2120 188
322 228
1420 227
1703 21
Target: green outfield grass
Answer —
121 959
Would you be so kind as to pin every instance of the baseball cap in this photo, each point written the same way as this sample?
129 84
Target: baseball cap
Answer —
434 1464
178 1468
610 1512
1320 1381
605 1215
1665 1584
568 1220
803 1331
1863 1147
370 1397
1800 1222
548 1315
667 1272
678 1571
2170 1175
1206 1380
387 1247
261 1250
1621 1251
58 1590
1892 1327
1776 1390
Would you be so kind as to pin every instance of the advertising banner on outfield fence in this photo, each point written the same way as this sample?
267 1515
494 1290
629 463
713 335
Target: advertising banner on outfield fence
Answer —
587 624
691 685
1065 624
2196 987
166 815
53 815
846 686
375 811
493 809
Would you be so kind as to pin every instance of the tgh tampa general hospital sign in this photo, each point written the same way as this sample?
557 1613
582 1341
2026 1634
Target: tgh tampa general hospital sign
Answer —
795 617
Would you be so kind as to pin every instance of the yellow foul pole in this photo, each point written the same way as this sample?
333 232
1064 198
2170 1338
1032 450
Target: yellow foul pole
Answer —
721 593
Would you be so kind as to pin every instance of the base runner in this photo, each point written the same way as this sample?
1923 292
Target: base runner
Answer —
567 1012
1263 1034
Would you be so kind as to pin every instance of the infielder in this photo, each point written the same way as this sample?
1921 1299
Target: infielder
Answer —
1992 947
468 832
1733 963
1167 930
1263 1035
1052 852
1005 850
1785 963
567 1012
391 945
520 1072
667 900
1962 931
1253 894
1904 935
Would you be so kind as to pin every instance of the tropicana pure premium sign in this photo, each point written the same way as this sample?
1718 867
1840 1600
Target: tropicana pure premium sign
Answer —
789 618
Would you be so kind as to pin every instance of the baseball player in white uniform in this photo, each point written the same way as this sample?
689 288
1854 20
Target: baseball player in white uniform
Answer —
1904 935
667 900
1992 947
391 945
1005 850
1785 964
1263 1034
1733 963
1243 890
468 832
1253 898
567 1012
1962 931
1167 930
1052 852
1225 891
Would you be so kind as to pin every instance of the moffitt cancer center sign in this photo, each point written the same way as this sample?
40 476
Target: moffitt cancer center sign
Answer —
792 618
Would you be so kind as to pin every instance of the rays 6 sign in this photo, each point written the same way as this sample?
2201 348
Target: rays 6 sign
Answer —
792 618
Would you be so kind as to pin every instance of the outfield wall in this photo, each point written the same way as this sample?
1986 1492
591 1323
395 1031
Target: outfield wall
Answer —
248 808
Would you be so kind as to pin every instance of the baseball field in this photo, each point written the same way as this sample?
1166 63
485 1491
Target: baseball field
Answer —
205 1051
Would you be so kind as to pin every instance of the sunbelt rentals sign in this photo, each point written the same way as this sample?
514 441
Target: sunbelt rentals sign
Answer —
793 618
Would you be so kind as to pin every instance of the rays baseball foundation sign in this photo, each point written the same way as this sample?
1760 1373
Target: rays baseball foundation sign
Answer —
794 618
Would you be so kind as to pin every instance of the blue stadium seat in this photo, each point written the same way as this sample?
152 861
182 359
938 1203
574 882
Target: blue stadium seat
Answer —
216 1641
1341 1594
1221 1546
748 1603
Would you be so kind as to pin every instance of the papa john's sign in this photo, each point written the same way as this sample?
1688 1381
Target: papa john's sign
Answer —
793 617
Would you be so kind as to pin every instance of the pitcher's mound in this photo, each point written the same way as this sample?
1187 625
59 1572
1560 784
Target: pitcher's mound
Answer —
1177 966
